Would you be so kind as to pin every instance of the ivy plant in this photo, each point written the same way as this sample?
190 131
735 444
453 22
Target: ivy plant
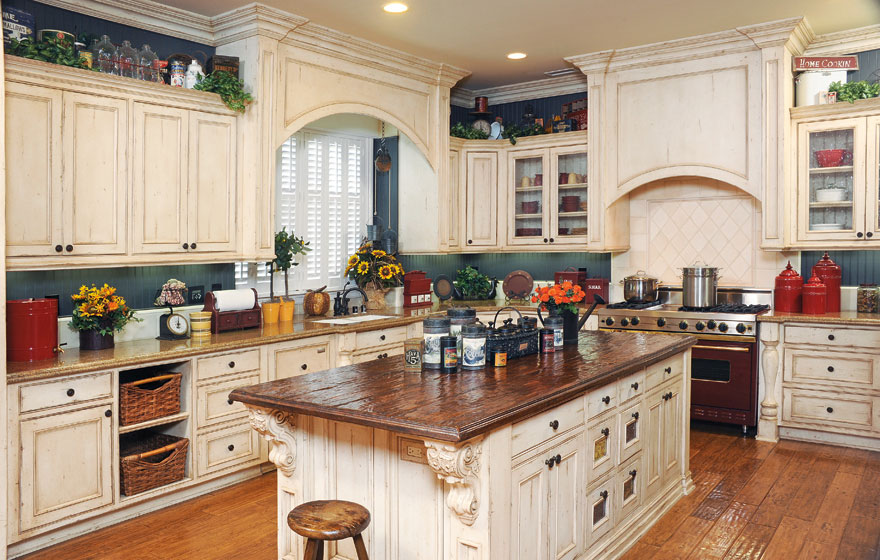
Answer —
467 132
51 50
471 284
230 89
851 91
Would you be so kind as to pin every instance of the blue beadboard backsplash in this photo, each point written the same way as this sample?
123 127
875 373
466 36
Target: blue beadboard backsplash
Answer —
540 265
138 285
857 267
869 67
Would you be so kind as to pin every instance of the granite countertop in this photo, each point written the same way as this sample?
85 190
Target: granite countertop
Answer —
461 406
838 318
136 352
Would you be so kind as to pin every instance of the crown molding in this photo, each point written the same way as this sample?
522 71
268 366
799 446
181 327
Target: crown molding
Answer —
523 91
252 20
848 41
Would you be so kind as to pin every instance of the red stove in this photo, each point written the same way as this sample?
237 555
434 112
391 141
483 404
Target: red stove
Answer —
724 363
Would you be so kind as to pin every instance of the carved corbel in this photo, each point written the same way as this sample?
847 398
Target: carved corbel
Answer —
276 427
459 467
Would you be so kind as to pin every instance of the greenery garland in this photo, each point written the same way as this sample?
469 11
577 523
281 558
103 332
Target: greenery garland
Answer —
50 50
230 89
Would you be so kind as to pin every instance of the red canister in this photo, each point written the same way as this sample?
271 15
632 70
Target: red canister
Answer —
31 329
814 296
788 290
830 273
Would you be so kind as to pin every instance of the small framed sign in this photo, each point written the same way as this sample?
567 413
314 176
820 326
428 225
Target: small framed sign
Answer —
804 63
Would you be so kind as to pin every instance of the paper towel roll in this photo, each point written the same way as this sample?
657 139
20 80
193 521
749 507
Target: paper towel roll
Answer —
234 300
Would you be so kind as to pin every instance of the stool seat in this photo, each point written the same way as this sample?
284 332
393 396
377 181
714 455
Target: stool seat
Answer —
329 520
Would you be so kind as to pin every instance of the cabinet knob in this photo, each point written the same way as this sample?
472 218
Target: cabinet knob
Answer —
830 410
545 240
58 248
186 245
635 386
869 235
470 241
192 246
304 367
606 399
230 402
632 473
830 369
606 432
554 424
231 364
667 370
108 413
550 462
558 459
70 392
860 235
830 337
231 447
635 415
604 494
551 240
382 337
69 248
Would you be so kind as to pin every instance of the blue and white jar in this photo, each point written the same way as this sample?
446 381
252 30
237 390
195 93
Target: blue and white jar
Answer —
473 346
432 329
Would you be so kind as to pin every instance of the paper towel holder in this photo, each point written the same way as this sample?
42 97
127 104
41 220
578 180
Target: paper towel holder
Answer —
232 320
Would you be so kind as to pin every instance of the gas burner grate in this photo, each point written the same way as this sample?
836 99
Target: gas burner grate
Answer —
728 308
627 305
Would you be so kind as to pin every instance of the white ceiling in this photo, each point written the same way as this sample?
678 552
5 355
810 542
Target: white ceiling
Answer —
477 34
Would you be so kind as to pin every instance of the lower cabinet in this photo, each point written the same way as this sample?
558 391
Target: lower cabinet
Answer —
298 357
663 439
226 448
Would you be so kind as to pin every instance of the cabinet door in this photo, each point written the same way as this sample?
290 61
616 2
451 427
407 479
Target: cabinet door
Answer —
453 202
66 465
95 183
566 500
529 195
212 182
159 205
529 509
831 180
872 199
33 170
672 433
569 195
653 442
482 199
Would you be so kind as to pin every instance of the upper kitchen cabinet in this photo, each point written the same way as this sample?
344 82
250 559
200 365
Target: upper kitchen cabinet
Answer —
104 170
481 196
838 157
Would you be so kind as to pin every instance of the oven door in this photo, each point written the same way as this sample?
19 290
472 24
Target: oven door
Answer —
722 374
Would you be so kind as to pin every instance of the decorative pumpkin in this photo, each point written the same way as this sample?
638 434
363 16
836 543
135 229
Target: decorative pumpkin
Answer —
316 302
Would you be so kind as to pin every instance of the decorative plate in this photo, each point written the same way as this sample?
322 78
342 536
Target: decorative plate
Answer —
443 287
518 284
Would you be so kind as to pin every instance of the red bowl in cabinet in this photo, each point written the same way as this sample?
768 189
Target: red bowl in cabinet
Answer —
833 158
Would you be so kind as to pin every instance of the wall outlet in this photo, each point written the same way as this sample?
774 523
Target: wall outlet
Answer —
413 451
196 295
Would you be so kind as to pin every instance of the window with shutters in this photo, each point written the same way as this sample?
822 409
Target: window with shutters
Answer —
322 194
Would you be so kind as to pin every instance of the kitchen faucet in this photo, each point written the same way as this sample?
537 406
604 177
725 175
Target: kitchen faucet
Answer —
340 302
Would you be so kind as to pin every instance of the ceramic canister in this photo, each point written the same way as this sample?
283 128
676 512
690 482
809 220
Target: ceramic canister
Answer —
788 291
473 346
830 273
814 297
433 328
31 329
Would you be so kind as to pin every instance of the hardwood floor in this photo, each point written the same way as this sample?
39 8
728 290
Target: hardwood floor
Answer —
753 500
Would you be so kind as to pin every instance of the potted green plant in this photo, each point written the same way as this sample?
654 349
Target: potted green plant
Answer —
470 283
287 246
853 91
97 314
228 87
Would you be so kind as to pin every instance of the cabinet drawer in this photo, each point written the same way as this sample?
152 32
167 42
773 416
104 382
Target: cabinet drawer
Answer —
631 387
826 336
72 390
383 337
601 400
659 373
228 364
601 514
830 411
628 488
377 353
601 448
630 422
227 448
307 356
538 429
213 404
831 367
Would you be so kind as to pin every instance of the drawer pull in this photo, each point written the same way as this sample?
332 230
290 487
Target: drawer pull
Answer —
231 364
552 461
231 447
192 246
604 494
69 248
185 245
667 369
830 337
382 337
108 413
667 396
605 432
830 369
635 386
304 367
70 392
58 248
554 424
635 415
632 473
830 410
606 399
230 402
321 350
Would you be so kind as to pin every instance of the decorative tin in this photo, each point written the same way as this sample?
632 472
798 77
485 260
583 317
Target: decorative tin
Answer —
412 355
17 24
458 317
449 354
556 323
788 292
548 344
473 346
830 273
868 298
225 63
433 329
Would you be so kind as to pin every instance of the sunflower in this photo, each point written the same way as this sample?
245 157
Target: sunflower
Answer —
379 253
386 272
353 260
363 268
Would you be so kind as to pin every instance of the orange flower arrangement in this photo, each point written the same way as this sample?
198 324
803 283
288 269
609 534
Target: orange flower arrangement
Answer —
559 297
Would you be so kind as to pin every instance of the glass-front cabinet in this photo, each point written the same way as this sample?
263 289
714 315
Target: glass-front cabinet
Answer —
873 178
549 193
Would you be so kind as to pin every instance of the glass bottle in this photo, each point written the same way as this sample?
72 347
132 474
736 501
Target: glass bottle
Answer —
147 64
104 54
128 58
193 73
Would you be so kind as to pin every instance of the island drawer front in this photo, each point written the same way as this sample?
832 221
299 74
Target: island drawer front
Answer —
661 372
832 367
228 364
546 425
227 448
838 411
601 448
828 336
629 487
378 353
214 405
601 400
601 508
630 423
306 358
381 337
631 387
72 390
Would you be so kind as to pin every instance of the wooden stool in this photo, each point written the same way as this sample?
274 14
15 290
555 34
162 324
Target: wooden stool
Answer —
329 520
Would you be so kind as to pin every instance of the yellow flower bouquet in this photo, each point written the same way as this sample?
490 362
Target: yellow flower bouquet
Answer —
100 310
374 268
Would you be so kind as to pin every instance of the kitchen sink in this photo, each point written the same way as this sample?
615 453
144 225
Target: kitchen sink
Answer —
352 319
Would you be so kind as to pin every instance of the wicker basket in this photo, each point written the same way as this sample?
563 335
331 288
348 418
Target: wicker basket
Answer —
150 462
516 345
149 398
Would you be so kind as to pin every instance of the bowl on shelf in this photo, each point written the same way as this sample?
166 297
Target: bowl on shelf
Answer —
826 227
570 203
528 232
530 207
578 231
833 158
564 231
830 194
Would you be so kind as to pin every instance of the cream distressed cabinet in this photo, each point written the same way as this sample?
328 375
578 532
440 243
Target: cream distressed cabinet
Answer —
481 199
838 175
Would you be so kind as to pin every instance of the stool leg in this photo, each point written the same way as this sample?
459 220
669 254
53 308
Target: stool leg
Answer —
360 548
319 555
312 548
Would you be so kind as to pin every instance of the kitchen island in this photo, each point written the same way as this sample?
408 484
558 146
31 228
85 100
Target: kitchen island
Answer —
568 455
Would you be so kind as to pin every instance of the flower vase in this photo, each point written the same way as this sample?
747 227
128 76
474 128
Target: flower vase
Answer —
375 298
93 340
569 328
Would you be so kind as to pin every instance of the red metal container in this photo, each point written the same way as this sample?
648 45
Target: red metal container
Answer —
830 273
814 297
788 291
416 289
31 329
596 286
575 276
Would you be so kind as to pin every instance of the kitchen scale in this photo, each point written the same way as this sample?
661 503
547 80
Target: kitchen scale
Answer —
173 326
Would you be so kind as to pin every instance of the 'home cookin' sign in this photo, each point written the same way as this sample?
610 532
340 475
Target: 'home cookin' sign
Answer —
802 63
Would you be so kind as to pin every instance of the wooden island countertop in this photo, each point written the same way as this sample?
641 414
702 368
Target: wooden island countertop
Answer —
460 406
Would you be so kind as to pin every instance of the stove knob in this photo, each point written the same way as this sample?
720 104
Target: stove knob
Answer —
624 322
722 327
609 321
700 325
683 325
661 322
634 321
711 324
740 328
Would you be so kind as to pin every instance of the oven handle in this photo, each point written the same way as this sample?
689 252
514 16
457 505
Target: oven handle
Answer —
712 337
726 348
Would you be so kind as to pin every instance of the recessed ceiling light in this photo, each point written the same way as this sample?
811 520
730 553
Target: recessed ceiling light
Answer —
516 55
395 7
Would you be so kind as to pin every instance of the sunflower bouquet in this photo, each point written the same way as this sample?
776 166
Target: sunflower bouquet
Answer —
100 309
374 268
